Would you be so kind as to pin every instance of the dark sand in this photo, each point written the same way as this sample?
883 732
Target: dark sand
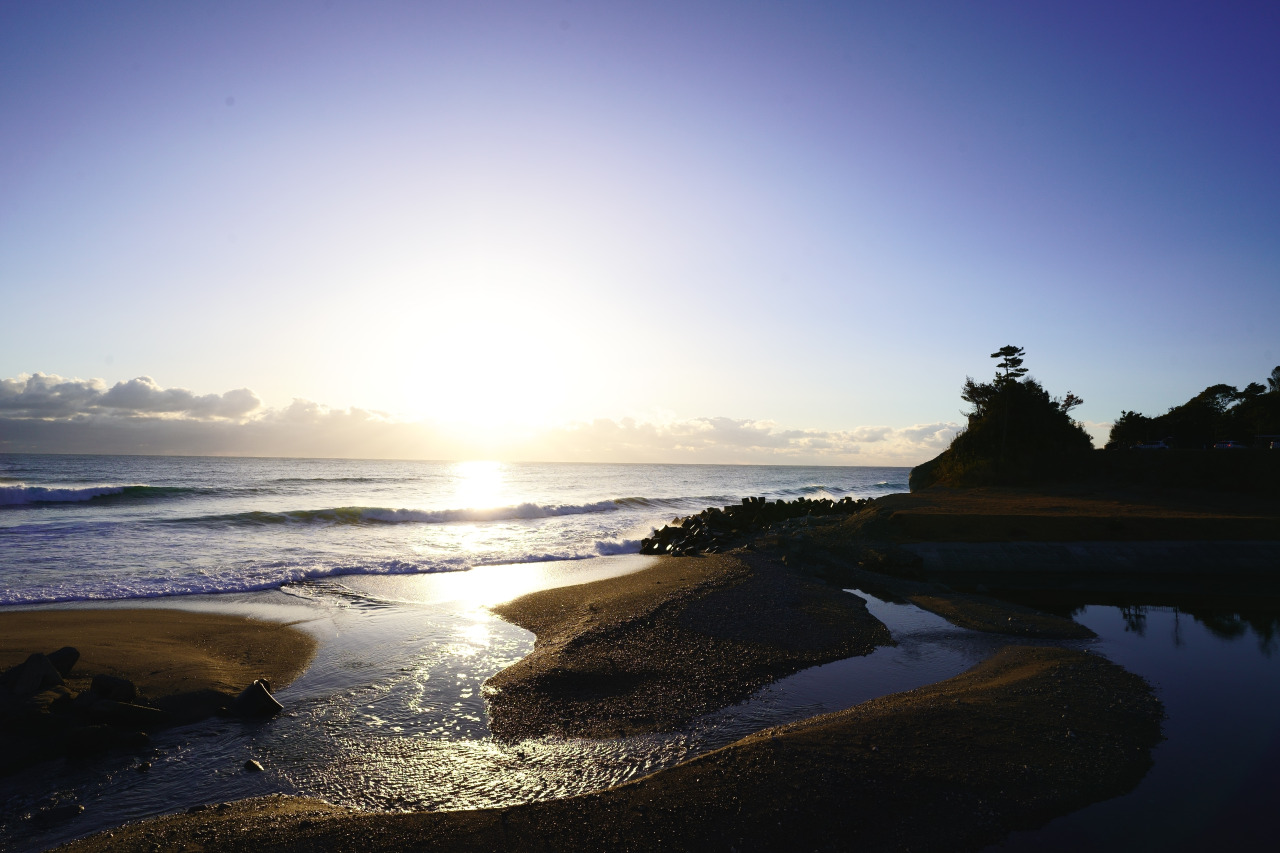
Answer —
1025 736
654 649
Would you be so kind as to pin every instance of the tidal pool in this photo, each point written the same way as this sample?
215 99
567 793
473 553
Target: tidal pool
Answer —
1215 784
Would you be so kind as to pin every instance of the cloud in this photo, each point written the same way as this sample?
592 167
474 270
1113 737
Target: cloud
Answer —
730 440
42 395
47 413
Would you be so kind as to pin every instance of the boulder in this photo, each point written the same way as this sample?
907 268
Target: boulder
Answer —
113 687
256 701
36 675
88 740
129 716
63 659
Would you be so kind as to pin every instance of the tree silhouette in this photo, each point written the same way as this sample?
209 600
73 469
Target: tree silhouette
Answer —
1011 363
1069 402
1218 412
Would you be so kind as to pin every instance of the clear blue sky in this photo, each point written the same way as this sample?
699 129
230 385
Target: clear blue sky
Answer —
819 216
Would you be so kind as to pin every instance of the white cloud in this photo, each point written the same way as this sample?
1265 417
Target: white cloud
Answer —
45 412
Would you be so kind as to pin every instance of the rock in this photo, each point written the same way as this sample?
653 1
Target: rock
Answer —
88 740
127 715
253 766
114 687
36 675
49 818
63 659
194 705
256 701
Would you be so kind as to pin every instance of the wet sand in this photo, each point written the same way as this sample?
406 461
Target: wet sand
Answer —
652 650
1029 734
164 652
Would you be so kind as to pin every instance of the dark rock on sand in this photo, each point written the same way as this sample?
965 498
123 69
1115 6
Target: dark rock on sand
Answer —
64 659
33 676
128 715
256 701
89 740
194 705
114 687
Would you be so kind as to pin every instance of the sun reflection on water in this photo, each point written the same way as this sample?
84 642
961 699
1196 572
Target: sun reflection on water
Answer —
479 484
477 634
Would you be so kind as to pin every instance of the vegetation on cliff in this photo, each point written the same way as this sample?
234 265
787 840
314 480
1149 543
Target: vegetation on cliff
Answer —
1218 413
1017 432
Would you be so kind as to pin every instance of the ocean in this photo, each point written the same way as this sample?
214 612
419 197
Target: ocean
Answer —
76 528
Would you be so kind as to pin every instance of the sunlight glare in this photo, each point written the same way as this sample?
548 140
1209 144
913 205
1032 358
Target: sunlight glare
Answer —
479 484
477 634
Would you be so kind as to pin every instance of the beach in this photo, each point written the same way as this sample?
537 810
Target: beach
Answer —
761 789
735 700
936 769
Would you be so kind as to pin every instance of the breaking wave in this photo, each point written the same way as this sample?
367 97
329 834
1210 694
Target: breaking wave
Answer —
611 547
22 494
262 577
385 515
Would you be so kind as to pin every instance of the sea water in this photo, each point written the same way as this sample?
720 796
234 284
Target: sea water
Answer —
129 527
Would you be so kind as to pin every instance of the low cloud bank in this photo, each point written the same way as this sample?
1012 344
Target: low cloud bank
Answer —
731 440
45 413
43 395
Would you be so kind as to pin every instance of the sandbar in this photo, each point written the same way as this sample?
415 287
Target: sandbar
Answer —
163 652
654 649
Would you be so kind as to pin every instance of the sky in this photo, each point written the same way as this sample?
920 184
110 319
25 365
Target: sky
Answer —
623 231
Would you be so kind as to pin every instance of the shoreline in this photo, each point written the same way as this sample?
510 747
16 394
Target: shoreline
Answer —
571 636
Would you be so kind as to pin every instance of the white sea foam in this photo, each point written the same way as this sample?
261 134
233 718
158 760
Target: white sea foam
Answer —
389 515
262 578
610 547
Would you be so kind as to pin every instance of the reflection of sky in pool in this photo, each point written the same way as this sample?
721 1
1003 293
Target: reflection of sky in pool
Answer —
1216 780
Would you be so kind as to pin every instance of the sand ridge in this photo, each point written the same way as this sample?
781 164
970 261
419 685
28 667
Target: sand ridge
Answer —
654 649
164 652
